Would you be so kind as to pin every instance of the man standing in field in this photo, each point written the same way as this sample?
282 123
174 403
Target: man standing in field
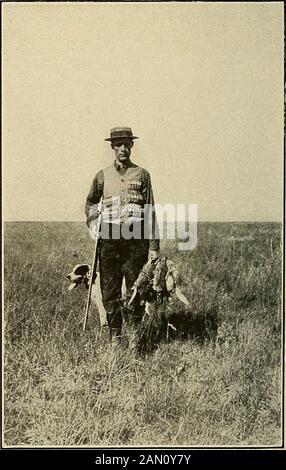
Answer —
126 242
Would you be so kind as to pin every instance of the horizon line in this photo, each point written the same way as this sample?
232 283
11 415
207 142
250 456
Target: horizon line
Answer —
171 222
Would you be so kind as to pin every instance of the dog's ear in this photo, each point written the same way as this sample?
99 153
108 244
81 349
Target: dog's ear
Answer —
81 269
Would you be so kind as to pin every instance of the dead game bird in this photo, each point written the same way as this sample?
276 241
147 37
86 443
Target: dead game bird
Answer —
157 281
154 287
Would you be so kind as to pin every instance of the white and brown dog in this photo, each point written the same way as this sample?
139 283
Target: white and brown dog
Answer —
80 275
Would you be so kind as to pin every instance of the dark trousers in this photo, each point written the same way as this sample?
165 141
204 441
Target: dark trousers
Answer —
118 258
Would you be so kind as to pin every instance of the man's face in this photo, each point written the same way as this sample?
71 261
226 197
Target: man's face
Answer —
122 148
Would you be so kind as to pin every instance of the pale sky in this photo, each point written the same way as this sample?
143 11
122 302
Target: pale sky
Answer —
200 83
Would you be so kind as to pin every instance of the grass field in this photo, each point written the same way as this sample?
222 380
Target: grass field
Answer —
200 388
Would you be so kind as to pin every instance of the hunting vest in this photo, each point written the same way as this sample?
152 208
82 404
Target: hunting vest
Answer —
123 195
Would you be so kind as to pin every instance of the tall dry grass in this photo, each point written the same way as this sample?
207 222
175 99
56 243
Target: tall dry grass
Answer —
202 387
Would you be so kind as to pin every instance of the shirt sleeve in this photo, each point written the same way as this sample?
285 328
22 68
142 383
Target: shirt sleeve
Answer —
150 213
93 198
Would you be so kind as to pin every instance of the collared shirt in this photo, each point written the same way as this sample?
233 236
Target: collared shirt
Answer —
122 167
126 172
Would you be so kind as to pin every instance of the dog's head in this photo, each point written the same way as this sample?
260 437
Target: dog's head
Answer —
79 275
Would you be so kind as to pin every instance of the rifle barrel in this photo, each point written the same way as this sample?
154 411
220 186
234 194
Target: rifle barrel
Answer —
93 268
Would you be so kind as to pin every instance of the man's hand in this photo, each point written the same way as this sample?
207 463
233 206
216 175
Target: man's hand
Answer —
153 255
